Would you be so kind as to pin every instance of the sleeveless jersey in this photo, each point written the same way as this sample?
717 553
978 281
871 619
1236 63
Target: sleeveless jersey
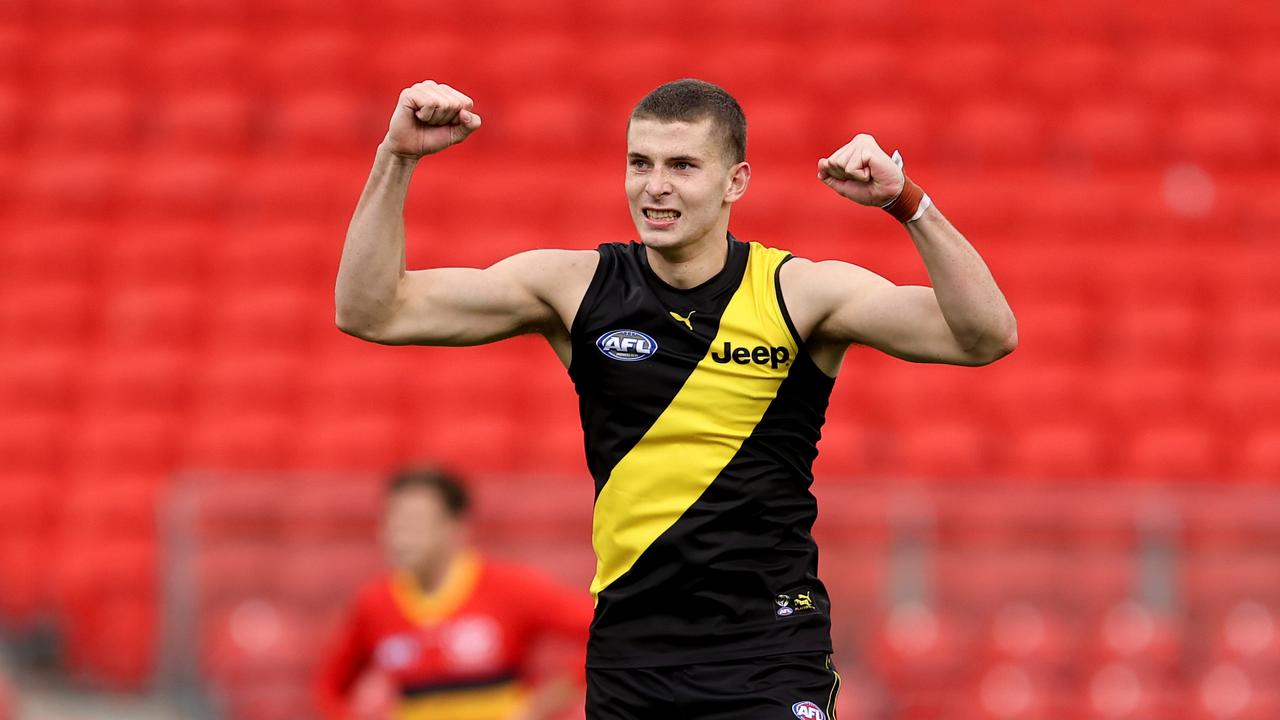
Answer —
701 413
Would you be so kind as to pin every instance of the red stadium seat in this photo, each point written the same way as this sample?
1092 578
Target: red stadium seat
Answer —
1247 634
121 507
321 577
1031 636
140 316
204 121
103 116
1137 636
41 252
1226 690
309 187
1245 397
208 58
338 384
229 570
202 13
150 379
1257 457
33 442
1175 71
918 647
273 317
1216 578
334 510
1186 452
16 40
195 186
1064 450
24 572
1106 134
313 58
1168 334
992 133
108 53
959 69
333 120
943 451
270 253
414 51
256 641
1137 396
123 441
106 591
46 313
1250 338
38 379
1226 137
237 442
261 380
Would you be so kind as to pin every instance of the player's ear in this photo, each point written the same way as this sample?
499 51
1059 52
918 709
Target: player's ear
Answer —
739 179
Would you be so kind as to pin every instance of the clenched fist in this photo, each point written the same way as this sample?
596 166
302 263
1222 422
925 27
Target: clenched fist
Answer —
862 172
429 118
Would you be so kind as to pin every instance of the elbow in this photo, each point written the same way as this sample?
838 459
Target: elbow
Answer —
357 325
995 345
1008 343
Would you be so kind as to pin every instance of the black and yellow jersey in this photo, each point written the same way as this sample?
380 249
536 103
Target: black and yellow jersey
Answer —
701 412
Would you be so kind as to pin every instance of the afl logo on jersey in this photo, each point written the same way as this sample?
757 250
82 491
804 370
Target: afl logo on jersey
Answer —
806 710
627 345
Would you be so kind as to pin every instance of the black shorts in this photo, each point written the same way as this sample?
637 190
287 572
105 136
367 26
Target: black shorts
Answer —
777 687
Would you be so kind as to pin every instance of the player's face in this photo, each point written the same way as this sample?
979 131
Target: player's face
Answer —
417 530
680 181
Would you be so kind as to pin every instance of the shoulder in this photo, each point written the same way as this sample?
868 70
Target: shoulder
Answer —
804 277
550 263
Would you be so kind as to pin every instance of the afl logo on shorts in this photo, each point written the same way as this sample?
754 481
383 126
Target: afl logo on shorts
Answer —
806 710
627 345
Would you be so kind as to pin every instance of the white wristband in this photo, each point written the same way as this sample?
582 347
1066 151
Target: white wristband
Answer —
925 202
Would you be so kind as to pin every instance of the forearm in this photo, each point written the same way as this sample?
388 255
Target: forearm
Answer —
972 304
373 257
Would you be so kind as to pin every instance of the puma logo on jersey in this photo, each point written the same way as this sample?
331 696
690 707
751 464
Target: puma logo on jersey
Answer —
760 355
687 320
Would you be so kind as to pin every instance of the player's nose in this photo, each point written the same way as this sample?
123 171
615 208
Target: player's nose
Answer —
657 185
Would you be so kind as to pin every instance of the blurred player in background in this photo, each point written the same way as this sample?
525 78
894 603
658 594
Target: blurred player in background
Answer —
452 631
703 366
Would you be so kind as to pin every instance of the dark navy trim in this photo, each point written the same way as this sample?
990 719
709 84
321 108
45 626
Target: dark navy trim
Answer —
417 691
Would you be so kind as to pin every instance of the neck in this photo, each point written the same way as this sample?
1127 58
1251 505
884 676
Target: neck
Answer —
693 264
431 577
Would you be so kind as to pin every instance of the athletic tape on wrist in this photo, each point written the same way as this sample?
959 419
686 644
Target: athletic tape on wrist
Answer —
909 205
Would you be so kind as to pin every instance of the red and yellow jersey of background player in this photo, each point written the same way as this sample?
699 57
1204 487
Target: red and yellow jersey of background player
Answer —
458 652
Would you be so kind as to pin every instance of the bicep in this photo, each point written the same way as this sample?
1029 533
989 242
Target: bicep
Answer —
904 321
470 306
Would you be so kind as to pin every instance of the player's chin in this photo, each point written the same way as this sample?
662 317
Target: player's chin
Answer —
660 239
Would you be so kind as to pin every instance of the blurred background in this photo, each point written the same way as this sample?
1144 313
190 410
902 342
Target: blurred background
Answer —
192 456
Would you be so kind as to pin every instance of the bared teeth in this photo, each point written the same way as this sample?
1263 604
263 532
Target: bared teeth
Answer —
662 214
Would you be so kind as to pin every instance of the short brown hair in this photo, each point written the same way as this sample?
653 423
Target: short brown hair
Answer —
457 501
691 100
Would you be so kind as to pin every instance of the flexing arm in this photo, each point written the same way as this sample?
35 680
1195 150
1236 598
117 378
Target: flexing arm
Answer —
962 320
377 299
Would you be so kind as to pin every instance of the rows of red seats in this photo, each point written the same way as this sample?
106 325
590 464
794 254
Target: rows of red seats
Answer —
170 233
1033 606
